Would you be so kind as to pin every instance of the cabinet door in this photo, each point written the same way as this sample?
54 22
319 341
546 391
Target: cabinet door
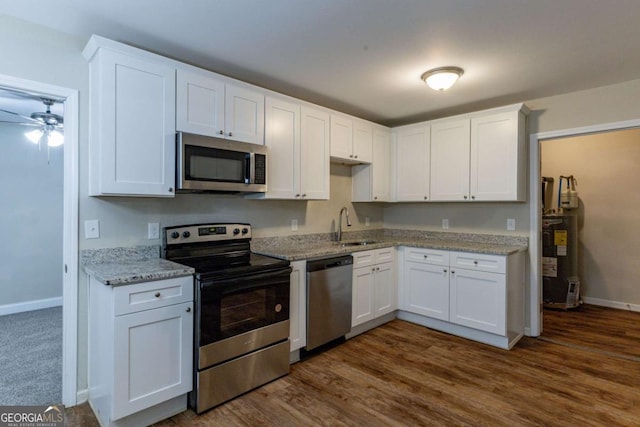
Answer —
426 290
315 154
380 175
362 287
385 290
298 305
244 115
282 120
478 300
199 104
362 142
133 124
450 161
412 168
153 359
341 137
497 144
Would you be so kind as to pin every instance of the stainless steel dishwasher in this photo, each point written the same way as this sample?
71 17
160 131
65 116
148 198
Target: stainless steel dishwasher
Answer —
328 299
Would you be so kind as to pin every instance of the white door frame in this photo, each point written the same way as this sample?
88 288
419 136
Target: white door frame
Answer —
535 236
69 228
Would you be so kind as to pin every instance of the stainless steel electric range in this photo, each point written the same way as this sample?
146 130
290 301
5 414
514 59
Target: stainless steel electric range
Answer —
241 310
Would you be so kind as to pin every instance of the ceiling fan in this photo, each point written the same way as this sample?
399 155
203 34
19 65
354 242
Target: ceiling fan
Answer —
47 124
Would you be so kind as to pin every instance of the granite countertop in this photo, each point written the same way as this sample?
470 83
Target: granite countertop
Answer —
294 250
125 266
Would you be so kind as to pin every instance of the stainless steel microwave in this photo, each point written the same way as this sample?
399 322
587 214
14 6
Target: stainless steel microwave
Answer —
207 163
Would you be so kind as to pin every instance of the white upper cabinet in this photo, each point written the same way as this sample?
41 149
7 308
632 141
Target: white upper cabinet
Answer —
498 158
132 124
207 105
412 152
298 142
315 154
450 160
199 104
371 183
351 140
475 157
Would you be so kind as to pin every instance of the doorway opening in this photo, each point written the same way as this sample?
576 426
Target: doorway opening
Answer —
602 159
68 264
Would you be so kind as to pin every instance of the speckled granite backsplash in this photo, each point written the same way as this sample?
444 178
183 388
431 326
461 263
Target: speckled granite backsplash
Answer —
378 234
109 255
494 239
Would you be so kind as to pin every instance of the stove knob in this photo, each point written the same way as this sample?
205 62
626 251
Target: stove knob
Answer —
186 234
245 230
175 235
236 231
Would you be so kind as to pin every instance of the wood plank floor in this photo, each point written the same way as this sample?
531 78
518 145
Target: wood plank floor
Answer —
403 374
599 328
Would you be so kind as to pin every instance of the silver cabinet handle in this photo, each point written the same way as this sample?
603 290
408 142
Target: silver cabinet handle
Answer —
157 295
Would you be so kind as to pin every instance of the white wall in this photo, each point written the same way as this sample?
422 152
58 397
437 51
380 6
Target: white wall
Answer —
31 212
606 168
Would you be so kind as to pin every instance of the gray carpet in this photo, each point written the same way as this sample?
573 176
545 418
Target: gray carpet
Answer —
31 357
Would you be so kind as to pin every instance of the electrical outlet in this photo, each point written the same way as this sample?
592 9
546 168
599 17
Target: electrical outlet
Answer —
294 225
92 229
366 221
511 224
153 230
445 224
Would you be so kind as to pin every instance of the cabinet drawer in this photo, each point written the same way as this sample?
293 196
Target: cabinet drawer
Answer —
479 262
384 255
363 259
427 256
148 295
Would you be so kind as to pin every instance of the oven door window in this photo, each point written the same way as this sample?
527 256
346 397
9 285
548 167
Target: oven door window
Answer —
213 164
233 307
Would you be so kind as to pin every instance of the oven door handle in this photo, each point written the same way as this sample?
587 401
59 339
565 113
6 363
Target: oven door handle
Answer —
248 281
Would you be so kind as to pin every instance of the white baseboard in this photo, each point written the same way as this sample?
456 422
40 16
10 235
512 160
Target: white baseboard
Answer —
20 307
611 304
82 396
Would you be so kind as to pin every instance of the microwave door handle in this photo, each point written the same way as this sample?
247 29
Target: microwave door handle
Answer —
249 171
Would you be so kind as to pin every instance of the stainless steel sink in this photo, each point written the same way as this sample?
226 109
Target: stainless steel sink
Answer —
359 243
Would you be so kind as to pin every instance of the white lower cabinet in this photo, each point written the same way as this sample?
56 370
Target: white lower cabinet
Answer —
374 286
298 305
477 296
140 350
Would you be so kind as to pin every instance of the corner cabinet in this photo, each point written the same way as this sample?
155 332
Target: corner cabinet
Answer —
140 350
351 140
208 105
132 123
371 183
476 296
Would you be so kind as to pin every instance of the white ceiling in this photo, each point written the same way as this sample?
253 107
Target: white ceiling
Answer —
365 57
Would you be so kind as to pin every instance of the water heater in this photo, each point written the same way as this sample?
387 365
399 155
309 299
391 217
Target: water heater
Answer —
560 282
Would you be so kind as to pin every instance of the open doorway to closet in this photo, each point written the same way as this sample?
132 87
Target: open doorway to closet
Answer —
605 167
44 229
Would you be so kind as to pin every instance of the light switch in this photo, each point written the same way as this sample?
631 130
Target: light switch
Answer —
153 230
294 225
445 224
511 224
92 229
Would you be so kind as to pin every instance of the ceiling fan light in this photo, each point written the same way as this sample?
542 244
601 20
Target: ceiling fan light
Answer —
442 78
34 135
55 139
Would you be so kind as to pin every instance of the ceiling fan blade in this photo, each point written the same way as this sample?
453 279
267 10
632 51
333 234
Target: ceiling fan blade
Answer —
22 124
28 119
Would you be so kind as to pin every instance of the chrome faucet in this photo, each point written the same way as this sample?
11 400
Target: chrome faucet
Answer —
339 232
